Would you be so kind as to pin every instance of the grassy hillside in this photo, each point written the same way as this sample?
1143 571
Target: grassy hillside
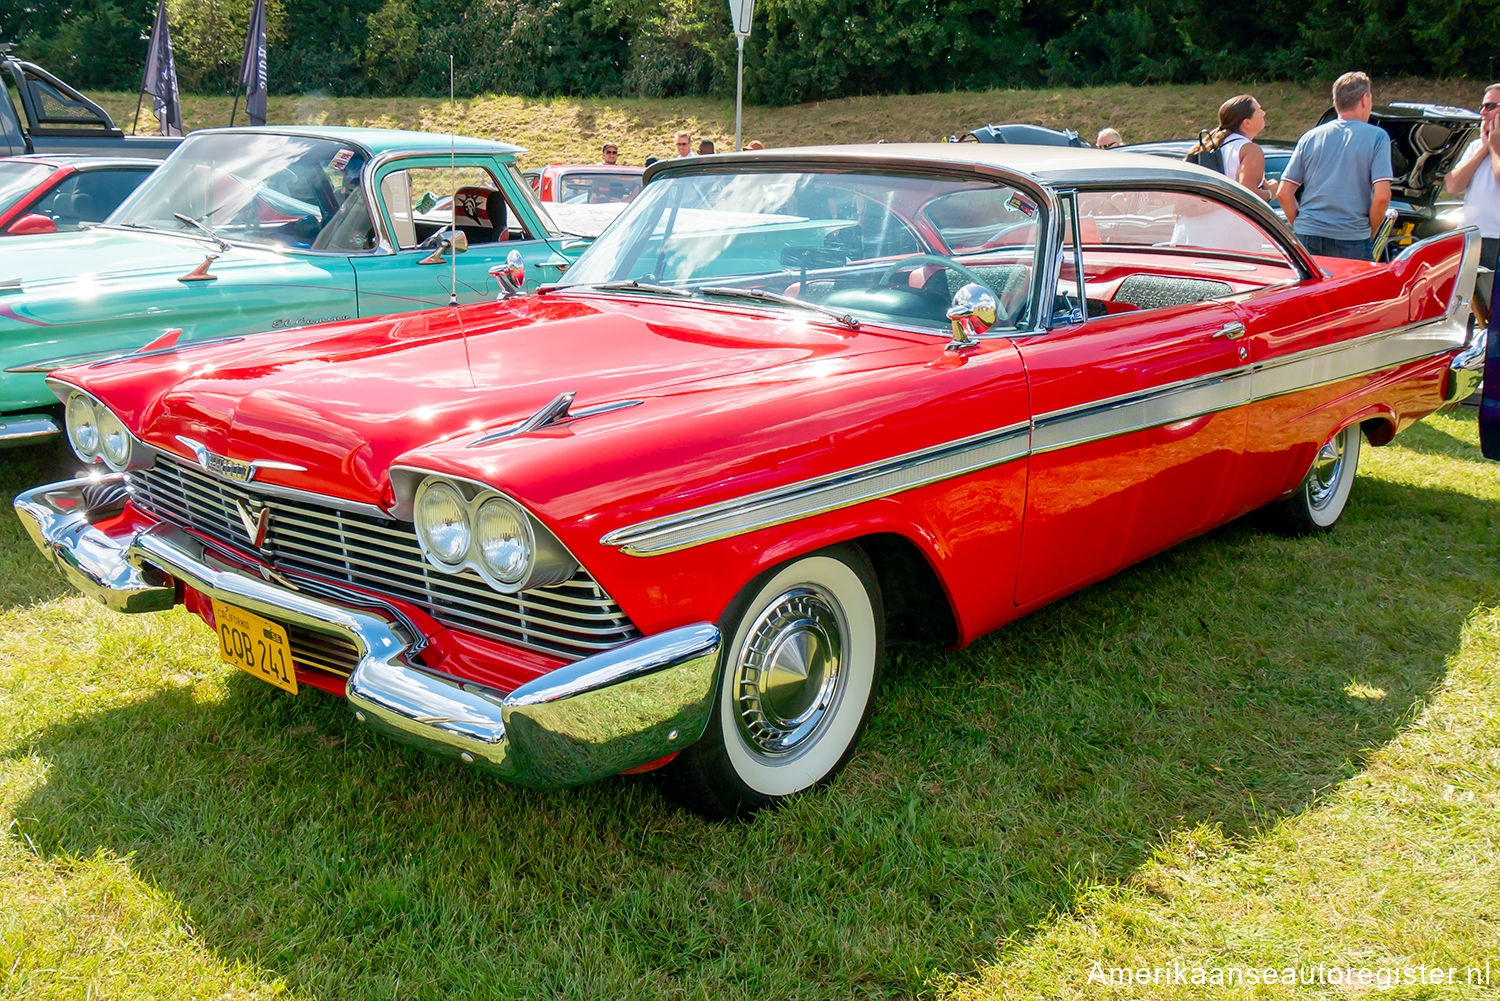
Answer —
568 129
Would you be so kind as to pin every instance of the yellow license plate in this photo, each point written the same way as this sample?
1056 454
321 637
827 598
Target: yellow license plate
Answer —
255 645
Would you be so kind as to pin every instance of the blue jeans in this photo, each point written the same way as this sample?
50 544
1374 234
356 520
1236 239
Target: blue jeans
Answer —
1326 246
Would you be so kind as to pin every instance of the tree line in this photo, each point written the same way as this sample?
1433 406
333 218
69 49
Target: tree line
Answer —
800 50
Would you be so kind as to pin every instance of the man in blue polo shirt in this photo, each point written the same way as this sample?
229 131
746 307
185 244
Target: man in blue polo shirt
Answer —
1344 170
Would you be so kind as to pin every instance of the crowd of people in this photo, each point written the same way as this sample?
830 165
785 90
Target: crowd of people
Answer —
1335 189
684 145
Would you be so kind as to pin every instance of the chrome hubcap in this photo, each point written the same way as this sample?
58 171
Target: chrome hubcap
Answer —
789 671
1325 473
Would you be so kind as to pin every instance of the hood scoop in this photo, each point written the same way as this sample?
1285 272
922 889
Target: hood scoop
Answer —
554 414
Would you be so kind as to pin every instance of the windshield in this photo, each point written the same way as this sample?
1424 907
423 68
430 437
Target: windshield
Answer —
18 179
888 247
271 190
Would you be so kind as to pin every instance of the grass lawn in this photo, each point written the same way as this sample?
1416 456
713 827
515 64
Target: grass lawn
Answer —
1249 751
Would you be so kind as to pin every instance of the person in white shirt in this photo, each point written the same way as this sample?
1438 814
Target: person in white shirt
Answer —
1477 178
1241 119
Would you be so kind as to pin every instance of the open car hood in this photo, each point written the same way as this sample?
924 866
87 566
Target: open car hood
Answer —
1426 142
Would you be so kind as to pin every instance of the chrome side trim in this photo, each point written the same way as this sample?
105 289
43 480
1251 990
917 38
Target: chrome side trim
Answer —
1051 431
817 496
1139 411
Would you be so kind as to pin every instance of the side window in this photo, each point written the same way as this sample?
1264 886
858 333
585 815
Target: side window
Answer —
425 200
1170 219
1155 249
87 197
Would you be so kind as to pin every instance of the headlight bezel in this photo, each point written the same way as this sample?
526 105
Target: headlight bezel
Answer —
546 561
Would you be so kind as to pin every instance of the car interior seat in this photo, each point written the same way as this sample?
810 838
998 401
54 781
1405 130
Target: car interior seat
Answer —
497 212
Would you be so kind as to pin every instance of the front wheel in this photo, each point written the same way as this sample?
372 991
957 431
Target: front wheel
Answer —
1320 500
795 685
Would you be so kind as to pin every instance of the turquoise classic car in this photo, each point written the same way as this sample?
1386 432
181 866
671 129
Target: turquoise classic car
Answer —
247 230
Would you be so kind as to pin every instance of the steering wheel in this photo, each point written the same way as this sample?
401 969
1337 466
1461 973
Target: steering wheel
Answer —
916 260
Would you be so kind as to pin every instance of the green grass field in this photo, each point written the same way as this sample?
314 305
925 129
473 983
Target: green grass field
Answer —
1249 752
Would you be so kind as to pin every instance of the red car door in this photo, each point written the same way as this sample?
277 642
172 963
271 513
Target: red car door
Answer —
1137 423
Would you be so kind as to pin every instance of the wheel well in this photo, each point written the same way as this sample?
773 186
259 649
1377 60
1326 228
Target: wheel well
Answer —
1378 430
916 608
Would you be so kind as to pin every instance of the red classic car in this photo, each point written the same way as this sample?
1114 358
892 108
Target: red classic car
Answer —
45 194
584 183
793 403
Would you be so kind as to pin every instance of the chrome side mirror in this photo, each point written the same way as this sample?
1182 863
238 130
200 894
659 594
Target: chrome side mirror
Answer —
454 240
973 312
510 276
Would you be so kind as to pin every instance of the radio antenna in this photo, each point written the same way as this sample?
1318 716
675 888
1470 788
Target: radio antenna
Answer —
452 180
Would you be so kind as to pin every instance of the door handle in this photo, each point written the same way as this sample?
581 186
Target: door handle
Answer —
1231 331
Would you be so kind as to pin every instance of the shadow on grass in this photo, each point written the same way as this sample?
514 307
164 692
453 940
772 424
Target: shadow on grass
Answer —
25 575
1232 680
1428 438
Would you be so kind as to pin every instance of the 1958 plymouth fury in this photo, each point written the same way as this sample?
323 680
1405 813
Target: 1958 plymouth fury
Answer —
241 230
667 511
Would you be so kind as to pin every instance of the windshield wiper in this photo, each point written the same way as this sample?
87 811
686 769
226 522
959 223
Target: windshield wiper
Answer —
785 300
630 286
223 244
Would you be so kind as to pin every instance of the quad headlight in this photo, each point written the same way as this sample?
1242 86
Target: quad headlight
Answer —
83 427
503 540
96 434
463 526
442 518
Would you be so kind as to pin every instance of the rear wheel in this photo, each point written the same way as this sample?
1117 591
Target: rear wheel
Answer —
795 685
1320 500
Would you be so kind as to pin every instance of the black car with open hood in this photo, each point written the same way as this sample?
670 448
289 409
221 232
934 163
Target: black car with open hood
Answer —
1426 142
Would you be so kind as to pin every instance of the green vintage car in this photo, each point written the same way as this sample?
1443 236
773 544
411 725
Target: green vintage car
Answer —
254 229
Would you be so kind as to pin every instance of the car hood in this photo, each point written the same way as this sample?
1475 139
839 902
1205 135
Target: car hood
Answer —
39 263
346 401
1426 142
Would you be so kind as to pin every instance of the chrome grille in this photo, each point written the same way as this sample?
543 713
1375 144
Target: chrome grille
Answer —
572 619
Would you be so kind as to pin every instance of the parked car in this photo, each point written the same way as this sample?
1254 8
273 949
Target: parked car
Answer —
41 114
585 184
46 194
1021 133
1277 151
793 404
251 229
1426 142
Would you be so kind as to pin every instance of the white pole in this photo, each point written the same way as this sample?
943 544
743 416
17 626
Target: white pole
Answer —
739 89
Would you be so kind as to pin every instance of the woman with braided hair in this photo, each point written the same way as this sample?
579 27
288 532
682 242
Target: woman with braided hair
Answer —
1241 119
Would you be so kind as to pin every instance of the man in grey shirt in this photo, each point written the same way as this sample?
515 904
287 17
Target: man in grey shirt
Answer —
1344 170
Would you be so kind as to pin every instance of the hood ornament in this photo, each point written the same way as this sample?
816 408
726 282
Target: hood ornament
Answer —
200 273
232 469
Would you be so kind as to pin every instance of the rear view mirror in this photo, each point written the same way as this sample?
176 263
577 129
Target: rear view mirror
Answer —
813 257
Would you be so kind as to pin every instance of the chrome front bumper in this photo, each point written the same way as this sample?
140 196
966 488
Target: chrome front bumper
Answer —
587 720
26 429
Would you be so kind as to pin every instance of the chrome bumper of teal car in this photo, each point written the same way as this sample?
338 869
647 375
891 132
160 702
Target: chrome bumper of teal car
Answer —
23 429
587 720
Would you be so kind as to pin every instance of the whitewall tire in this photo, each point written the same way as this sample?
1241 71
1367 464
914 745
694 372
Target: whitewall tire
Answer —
1324 493
802 652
